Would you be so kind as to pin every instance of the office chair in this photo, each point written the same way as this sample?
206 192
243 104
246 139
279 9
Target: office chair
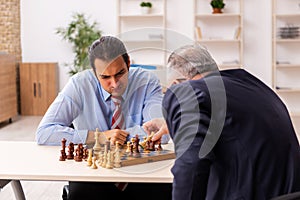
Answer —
290 196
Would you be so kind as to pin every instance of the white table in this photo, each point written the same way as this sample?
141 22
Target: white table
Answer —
29 161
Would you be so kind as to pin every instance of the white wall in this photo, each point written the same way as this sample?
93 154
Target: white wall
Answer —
39 19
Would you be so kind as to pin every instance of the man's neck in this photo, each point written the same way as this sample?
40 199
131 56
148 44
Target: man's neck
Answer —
199 76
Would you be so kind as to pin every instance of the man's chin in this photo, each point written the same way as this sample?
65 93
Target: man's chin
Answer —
116 93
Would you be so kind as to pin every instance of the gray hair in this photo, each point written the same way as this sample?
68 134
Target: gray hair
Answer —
191 60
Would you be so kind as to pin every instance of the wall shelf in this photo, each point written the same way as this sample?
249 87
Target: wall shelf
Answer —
221 34
143 34
218 15
285 56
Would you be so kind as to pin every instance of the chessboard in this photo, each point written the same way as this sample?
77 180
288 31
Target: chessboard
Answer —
115 155
128 159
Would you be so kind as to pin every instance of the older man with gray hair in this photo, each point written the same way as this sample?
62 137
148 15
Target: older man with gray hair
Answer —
233 136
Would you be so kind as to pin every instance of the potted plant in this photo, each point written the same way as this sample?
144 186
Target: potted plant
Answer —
80 34
145 7
217 5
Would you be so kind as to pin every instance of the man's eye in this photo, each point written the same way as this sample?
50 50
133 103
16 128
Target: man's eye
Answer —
104 77
121 73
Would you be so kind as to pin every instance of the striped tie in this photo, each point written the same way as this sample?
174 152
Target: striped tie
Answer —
117 119
118 123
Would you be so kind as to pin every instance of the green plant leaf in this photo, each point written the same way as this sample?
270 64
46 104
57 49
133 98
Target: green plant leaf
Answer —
81 34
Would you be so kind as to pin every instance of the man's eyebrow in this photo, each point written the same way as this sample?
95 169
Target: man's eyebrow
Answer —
106 76
120 72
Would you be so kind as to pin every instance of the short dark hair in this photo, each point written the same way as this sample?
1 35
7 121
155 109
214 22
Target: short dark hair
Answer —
107 48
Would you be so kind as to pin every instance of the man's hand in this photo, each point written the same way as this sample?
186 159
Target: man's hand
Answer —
114 135
157 125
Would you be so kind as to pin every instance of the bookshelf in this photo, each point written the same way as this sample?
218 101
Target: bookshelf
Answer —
222 34
285 55
143 34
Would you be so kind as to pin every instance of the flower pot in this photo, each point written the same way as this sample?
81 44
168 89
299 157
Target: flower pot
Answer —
145 10
217 10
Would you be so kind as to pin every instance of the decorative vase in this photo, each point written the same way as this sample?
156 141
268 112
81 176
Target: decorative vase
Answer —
145 10
217 10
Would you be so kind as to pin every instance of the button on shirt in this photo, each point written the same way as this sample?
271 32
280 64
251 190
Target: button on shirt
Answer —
88 106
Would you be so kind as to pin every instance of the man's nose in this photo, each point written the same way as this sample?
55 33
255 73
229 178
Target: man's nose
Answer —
114 81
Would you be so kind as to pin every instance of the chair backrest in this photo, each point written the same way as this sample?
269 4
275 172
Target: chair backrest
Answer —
290 196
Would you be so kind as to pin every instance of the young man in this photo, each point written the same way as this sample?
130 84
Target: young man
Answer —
233 136
88 102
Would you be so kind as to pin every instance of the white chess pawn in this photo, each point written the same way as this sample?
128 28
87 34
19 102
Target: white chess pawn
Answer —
94 165
89 160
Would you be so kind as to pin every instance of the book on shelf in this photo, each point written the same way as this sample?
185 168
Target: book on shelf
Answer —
237 33
198 33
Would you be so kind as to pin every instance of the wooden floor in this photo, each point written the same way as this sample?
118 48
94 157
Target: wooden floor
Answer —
23 129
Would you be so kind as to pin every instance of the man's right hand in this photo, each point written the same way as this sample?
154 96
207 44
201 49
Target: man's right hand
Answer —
114 135
157 125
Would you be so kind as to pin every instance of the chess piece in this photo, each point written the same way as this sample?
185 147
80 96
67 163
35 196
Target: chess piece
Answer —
104 159
136 144
109 161
136 153
94 165
131 149
79 153
151 145
70 155
107 142
97 146
143 143
100 158
85 153
80 146
128 147
62 156
107 146
89 160
159 148
117 159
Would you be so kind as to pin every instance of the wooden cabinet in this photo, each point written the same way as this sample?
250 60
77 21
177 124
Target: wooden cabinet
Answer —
221 33
286 60
39 87
8 87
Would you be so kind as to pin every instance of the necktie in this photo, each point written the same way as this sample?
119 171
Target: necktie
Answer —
118 118
118 123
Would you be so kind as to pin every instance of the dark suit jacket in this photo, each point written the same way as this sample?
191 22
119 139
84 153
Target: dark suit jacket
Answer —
233 139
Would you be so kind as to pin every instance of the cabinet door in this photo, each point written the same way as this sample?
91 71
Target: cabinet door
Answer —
39 87
27 89
8 100
46 86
